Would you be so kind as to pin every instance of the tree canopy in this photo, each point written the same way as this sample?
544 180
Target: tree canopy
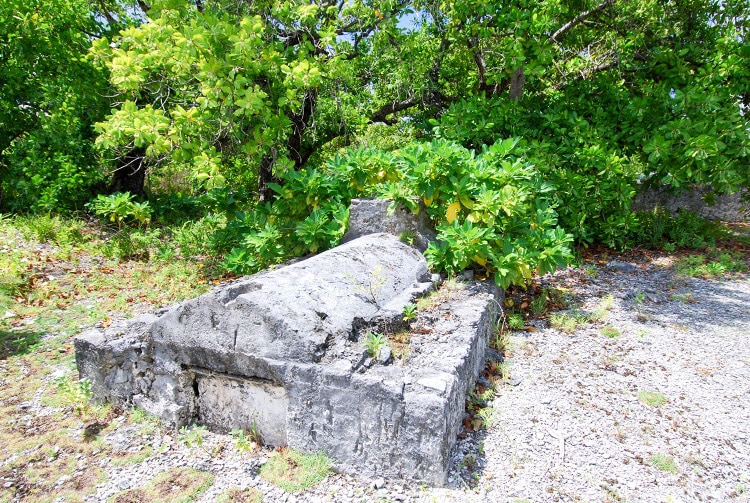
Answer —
603 97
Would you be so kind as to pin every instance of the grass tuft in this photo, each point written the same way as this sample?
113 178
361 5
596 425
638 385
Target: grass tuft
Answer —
293 471
652 398
664 463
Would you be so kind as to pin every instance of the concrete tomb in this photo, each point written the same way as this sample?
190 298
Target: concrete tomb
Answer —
283 351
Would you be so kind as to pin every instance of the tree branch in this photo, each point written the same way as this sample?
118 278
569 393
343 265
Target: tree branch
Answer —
381 115
555 38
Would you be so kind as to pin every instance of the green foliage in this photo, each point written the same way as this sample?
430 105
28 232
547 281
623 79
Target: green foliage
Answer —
715 264
293 471
76 393
51 96
685 230
491 210
610 331
664 463
568 322
515 321
652 398
246 441
374 343
410 312
192 435
120 208
232 93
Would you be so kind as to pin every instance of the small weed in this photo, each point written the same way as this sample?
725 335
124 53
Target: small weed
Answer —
683 298
591 271
77 394
374 343
410 312
501 341
503 371
293 471
138 416
607 302
515 321
120 208
538 306
638 299
246 441
610 331
664 463
652 398
408 237
372 286
568 322
715 265
192 436
237 495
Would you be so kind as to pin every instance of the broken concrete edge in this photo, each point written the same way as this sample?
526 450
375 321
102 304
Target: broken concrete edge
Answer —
369 216
190 365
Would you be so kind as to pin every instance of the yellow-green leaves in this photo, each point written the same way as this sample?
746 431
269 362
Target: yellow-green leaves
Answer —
452 212
139 127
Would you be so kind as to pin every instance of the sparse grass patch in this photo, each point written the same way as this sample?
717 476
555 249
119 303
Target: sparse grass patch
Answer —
664 463
55 281
132 458
293 471
178 485
652 398
609 331
713 264
237 495
568 322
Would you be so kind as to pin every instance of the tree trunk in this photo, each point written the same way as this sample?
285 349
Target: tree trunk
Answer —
516 84
131 175
265 176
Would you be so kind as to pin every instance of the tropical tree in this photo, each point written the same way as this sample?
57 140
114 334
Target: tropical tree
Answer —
240 89
50 96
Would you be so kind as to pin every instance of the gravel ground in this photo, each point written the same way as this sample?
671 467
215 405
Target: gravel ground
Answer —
573 424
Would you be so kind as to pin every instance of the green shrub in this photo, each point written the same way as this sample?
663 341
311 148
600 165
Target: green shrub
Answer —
120 208
491 210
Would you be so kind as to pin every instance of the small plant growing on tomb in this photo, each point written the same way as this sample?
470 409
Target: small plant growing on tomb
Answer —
410 312
372 286
374 343
408 237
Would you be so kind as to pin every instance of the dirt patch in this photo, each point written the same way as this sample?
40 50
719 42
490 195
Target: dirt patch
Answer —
131 496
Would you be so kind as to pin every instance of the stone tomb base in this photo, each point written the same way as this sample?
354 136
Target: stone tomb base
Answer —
282 352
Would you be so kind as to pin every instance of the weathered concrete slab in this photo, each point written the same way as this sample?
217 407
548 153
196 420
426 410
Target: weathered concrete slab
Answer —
282 351
369 216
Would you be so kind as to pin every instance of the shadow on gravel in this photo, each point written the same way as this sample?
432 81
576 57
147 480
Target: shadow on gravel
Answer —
705 304
17 342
